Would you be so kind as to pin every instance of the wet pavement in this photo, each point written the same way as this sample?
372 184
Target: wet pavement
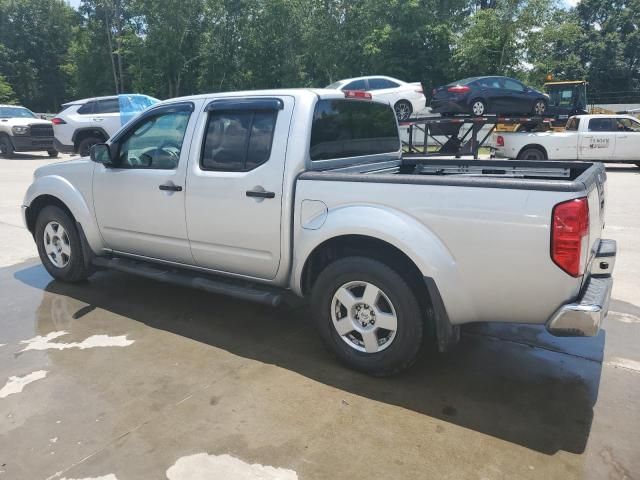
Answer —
124 378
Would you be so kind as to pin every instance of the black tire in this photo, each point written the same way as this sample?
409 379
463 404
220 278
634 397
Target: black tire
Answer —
75 270
532 153
6 147
84 147
539 108
53 153
403 110
638 164
478 107
403 349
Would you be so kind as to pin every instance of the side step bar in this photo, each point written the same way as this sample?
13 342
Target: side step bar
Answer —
224 286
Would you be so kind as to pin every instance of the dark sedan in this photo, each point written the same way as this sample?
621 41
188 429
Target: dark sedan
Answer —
484 95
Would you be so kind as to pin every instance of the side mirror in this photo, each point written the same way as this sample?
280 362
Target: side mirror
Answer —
101 153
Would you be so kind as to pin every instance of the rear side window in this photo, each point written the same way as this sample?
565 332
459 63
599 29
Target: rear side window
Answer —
87 108
111 105
351 128
238 140
356 85
381 83
602 125
572 125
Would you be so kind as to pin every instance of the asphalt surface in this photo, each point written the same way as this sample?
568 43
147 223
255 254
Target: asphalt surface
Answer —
123 378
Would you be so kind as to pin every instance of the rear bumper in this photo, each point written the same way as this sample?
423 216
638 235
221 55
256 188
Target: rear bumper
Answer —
63 148
584 317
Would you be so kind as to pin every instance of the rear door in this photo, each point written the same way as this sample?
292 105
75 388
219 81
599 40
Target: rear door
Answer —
597 139
385 90
234 196
106 114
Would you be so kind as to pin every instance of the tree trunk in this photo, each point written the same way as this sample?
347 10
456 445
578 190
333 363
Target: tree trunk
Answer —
113 63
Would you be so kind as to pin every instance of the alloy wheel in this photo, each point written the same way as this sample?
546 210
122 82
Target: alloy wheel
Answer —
57 244
364 317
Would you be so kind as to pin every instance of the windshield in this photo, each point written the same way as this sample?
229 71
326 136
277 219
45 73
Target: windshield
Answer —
16 112
335 85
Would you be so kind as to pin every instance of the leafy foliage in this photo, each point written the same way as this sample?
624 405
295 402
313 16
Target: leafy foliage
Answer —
51 53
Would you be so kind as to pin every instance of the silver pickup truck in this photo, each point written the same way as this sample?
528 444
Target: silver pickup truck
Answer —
264 194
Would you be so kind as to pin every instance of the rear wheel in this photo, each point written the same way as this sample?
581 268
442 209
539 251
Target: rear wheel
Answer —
403 109
59 245
52 153
532 153
84 147
539 107
478 107
368 315
6 147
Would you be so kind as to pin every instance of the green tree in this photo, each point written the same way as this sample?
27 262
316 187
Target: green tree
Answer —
7 95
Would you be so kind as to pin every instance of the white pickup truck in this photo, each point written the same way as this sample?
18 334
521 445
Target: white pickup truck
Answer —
264 194
602 138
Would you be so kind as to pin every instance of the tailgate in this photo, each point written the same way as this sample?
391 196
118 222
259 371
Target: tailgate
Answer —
597 201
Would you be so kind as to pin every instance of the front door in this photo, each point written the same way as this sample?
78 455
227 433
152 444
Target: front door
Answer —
235 194
139 201
627 139
598 141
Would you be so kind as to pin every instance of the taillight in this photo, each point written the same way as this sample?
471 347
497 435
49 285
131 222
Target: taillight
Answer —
57 121
357 94
500 141
459 89
570 235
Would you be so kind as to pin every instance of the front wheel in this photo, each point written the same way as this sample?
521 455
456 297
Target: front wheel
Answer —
6 147
59 245
368 315
52 153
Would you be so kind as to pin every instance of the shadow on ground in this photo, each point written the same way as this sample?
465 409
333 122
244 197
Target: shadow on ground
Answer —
515 383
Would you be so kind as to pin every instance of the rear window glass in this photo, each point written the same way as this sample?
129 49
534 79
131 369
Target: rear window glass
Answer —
351 128
572 124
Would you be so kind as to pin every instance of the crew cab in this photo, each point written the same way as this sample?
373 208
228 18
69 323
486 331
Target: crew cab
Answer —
267 195
604 138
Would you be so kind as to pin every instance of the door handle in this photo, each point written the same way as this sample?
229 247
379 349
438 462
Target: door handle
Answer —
97 119
260 194
170 188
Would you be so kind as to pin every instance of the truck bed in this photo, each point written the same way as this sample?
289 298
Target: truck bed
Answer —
514 174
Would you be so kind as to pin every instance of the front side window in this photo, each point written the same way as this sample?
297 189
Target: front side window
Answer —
238 140
155 142
513 85
628 125
351 128
602 125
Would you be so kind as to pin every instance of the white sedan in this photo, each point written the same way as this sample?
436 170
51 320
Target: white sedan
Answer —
406 98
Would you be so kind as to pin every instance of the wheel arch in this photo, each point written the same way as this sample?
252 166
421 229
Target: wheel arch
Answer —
56 190
82 133
536 146
393 236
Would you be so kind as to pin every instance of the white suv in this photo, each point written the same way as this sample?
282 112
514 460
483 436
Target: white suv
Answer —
405 98
83 123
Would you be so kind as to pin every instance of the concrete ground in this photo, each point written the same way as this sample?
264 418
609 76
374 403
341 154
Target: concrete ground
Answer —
124 378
